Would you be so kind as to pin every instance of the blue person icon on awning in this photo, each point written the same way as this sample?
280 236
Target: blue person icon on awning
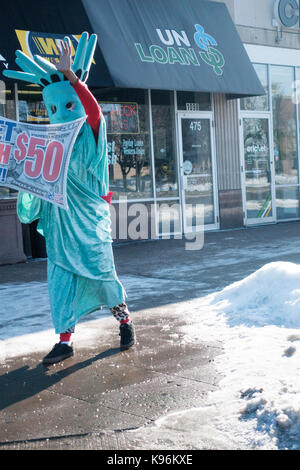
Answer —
211 56
202 39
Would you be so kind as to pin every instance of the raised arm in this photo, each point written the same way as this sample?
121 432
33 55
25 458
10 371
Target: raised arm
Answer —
89 102
91 107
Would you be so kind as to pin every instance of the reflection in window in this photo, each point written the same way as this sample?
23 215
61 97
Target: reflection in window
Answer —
287 202
164 143
168 217
258 103
126 113
7 109
284 125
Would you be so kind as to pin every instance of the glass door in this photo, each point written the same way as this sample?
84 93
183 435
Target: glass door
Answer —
257 169
197 164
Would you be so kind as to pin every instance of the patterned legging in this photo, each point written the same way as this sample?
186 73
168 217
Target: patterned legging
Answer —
120 312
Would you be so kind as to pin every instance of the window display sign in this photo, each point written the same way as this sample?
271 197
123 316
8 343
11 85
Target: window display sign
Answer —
33 112
121 118
34 157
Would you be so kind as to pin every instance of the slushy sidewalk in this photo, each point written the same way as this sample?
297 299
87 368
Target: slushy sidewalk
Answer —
97 398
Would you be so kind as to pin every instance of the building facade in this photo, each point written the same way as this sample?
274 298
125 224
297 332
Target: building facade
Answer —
179 159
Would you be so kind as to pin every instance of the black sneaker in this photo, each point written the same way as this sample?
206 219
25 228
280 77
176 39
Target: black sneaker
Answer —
127 335
58 353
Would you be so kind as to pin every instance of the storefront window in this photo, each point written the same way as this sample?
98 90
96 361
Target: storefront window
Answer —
127 118
8 110
31 108
284 126
193 101
258 103
7 101
257 167
198 171
164 142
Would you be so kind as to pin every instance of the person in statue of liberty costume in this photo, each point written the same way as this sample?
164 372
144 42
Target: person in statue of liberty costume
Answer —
80 267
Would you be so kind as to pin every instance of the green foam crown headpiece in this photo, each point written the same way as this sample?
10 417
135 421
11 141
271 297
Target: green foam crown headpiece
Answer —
60 98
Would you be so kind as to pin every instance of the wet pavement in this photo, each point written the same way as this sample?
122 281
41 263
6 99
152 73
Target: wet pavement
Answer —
95 399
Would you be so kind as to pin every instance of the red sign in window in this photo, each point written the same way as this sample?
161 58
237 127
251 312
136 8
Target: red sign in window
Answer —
121 118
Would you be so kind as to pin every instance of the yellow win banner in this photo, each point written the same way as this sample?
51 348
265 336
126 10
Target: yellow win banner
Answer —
45 45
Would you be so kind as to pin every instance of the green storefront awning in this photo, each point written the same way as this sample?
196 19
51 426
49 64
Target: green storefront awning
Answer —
187 45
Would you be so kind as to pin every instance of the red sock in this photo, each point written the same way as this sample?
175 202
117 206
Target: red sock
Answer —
65 337
126 321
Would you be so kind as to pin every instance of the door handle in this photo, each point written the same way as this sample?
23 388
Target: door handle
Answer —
184 182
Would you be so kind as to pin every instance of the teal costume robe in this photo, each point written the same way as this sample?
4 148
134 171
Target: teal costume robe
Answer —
81 270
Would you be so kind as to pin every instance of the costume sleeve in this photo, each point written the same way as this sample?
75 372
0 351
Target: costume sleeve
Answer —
93 112
91 107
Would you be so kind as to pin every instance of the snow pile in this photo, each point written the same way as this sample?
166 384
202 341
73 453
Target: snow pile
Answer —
270 296
257 402
257 319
